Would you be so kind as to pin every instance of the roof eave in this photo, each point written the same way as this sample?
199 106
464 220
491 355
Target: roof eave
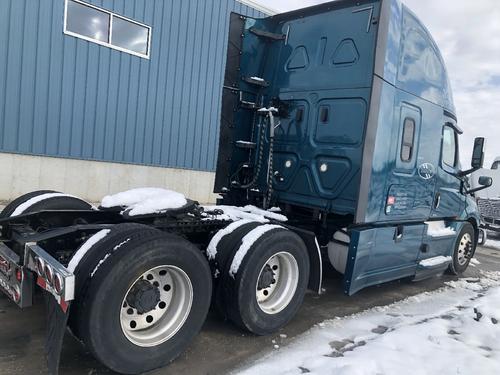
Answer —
262 8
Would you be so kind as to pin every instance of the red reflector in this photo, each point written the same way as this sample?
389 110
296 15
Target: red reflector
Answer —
41 283
19 275
64 305
16 295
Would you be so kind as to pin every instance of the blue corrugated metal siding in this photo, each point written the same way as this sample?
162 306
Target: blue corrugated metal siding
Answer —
63 96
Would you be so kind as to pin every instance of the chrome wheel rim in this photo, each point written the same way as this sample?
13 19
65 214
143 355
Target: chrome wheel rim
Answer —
165 319
282 274
464 249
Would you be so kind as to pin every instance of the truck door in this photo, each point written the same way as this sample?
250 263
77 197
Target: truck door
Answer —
411 186
449 202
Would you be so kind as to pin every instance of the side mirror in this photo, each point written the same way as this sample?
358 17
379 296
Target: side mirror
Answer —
477 157
484 182
478 153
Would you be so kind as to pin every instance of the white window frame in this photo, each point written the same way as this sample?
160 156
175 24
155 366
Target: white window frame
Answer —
111 18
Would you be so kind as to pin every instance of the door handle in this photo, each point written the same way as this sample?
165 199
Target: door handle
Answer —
437 201
398 233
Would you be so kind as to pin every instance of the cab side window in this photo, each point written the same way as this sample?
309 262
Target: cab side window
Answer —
449 153
408 140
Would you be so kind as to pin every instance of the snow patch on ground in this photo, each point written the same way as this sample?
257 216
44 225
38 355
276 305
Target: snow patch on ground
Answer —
436 261
91 242
492 244
439 229
145 201
455 330
247 243
212 246
31 202
475 261
234 213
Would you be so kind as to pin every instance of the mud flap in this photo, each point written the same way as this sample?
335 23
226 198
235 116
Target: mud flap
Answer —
311 242
57 321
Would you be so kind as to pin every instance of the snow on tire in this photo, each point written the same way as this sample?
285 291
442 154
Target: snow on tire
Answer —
143 300
265 282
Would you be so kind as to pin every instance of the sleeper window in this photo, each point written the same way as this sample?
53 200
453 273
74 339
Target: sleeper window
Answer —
408 140
449 156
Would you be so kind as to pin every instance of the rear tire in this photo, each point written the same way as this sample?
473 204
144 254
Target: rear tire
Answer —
464 250
103 312
270 285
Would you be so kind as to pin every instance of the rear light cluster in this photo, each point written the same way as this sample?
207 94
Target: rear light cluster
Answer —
51 277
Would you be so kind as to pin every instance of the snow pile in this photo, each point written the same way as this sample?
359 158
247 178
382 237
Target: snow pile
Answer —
455 330
39 198
145 201
89 244
474 262
439 229
436 261
233 213
247 243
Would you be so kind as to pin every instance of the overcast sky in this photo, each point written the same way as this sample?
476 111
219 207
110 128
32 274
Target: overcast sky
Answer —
468 34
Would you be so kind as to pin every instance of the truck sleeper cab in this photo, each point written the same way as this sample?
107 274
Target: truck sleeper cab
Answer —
365 145
342 116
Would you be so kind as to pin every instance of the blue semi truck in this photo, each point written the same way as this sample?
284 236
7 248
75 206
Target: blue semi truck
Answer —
338 144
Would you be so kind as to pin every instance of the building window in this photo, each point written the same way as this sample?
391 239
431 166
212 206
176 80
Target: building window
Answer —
408 141
449 156
108 29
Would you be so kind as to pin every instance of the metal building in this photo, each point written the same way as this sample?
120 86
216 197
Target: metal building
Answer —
98 96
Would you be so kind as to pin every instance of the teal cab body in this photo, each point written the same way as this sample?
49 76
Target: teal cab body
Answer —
365 147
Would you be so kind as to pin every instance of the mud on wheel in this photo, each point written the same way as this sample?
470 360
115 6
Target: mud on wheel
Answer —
144 301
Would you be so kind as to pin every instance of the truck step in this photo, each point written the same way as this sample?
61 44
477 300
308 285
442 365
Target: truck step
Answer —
246 145
257 81
266 34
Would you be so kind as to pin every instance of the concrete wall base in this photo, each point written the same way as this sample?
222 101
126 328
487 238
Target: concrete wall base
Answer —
92 180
